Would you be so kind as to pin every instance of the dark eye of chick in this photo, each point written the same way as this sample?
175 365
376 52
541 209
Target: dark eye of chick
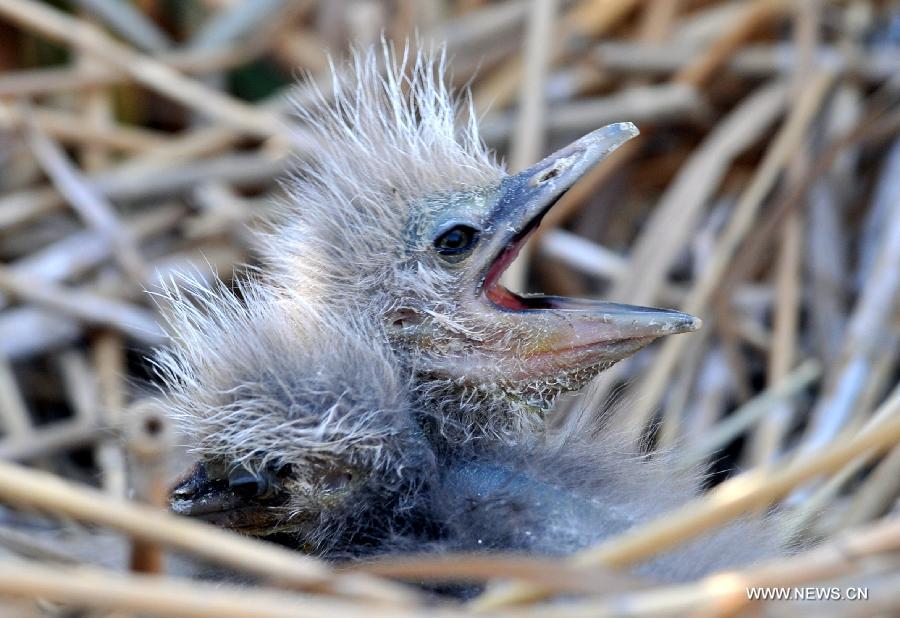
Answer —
261 484
247 484
456 241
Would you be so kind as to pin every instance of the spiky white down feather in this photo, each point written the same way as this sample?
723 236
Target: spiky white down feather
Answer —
389 133
271 376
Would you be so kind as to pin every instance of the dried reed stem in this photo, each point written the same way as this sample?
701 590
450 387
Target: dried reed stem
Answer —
35 82
587 19
774 426
68 128
33 489
83 587
14 418
546 572
145 70
56 437
758 14
725 593
109 366
745 212
528 138
84 306
89 203
746 416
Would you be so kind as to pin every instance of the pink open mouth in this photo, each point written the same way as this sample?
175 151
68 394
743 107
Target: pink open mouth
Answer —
497 293
609 322
505 299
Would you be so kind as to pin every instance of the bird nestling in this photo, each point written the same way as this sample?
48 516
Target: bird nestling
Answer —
402 214
377 389
305 432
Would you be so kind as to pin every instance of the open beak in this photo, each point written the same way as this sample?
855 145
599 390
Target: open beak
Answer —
232 498
572 333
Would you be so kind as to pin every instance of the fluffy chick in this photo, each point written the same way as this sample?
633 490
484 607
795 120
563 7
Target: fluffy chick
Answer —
308 433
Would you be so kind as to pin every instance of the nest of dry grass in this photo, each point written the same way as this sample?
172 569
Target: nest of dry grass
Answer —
140 139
